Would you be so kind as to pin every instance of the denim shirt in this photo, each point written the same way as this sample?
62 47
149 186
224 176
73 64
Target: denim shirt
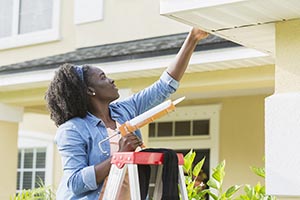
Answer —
78 138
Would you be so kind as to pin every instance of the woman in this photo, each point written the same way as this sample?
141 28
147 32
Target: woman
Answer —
80 103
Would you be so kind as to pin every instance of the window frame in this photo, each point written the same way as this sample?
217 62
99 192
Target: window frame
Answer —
211 141
34 140
19 40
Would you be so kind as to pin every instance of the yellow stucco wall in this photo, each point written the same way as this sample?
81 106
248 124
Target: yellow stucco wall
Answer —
8 155
287 56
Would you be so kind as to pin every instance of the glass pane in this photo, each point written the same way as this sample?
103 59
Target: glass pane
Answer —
35 15
152 130
182 128
41 158
39 179
19 159
27 180
28 158
201 127
164 129
18 180
6 17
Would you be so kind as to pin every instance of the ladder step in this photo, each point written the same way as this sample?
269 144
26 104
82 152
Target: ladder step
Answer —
141 158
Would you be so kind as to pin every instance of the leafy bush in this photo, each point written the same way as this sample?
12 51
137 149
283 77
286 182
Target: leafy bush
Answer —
40 193
215 183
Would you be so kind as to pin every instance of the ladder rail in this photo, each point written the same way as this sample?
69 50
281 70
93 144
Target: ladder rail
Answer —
115 179
134 182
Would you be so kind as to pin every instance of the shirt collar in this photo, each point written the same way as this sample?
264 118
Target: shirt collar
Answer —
93 119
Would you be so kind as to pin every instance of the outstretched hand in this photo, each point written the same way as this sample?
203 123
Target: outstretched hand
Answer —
198 34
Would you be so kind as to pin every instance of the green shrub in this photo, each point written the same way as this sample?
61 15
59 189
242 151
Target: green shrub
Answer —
40 193
215 183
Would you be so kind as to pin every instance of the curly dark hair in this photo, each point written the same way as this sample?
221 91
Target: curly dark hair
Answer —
67 94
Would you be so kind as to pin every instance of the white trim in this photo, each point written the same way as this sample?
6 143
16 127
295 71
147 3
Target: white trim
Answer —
11 113
31 139
16 40
11 81
211 112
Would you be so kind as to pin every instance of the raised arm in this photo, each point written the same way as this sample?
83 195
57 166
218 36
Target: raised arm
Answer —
178 67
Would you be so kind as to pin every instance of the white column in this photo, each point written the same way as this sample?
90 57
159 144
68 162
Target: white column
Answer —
282 115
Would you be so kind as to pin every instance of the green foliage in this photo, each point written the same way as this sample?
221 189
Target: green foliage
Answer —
257 192
215 183
194 189
40 193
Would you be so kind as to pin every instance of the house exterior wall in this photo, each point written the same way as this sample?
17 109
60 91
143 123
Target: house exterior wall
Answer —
142 17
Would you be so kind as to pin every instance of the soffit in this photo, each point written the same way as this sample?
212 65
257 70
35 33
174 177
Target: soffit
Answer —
250 23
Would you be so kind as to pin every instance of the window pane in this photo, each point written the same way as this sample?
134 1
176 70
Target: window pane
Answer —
28 158
35 15
182 128
41 158
18 180
19 159
201 127
152 130
6 17
164 129
27 180
39 179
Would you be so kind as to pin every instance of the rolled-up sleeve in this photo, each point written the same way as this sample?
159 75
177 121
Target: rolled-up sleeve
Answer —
150 96
165 77
89 177
72 147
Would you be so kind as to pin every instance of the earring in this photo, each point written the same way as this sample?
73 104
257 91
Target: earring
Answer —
94 93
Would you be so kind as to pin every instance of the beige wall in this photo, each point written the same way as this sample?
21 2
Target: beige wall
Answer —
242 137
127 20
287 56
8 156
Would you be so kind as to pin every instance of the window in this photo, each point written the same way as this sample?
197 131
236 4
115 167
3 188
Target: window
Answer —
190 127
31 168
179 128
35 160
25 22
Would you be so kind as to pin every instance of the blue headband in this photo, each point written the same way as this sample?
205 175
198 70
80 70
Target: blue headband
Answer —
79 71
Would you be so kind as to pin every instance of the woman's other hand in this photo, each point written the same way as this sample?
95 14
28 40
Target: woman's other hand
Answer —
129 142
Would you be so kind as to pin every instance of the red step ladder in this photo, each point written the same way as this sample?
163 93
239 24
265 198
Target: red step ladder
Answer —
123 161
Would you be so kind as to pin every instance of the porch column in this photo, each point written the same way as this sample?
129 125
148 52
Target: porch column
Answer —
282 115
9 119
